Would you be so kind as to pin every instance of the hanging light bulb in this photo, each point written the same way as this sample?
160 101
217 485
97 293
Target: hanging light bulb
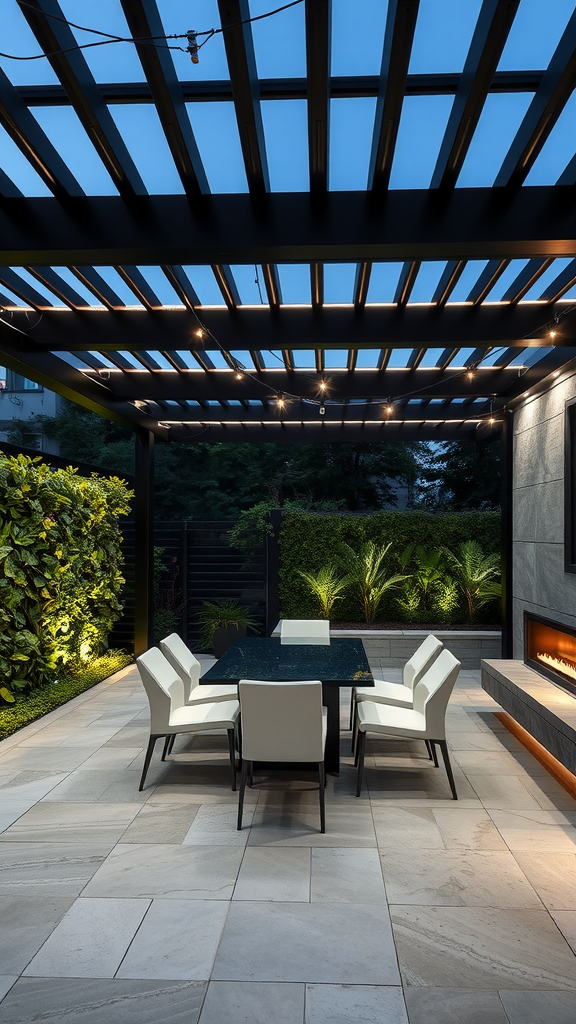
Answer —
199 333
322 385
552 334
280 400
192 47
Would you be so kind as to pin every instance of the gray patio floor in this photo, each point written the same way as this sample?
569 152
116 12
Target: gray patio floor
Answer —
123 907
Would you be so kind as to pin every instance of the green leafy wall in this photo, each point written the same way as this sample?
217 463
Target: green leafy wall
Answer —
60 568
308 540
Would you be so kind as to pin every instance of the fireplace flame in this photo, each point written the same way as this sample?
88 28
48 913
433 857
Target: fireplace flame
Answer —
567 668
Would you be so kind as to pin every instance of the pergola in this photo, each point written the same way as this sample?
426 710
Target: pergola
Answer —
457 296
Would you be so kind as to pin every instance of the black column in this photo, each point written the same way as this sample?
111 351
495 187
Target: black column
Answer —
507 532
272 567
144 545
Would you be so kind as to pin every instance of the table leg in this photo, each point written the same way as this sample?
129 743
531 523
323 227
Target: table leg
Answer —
331 700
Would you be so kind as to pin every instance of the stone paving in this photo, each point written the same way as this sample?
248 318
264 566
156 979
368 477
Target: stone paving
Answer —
118 906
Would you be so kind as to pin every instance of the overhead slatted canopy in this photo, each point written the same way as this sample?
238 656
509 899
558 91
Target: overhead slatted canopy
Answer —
348 221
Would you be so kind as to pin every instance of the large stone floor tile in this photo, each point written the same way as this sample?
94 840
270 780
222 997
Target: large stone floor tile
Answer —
346 876
168 872
286 825
465 828
88 1001
454 1006
315 942
84 786
252 1002
553 876
178 940
274 874
59 759
406 827
72 823
161 823
549 793
453 878
49 869
25 923
195 784
110 758
216 825
538 1007
503 792
472 947
501 762
428 785
566 921
354 1004
6 983
90 940
537 831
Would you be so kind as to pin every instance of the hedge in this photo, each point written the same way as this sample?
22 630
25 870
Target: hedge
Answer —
60 569
28 709
308 540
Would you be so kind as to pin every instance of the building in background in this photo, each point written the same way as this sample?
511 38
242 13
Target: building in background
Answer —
22 402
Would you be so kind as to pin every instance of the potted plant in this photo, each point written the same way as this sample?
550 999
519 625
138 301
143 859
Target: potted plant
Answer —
222 623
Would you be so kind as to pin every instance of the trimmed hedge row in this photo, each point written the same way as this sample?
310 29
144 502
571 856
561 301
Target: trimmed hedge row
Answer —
308 539
28 709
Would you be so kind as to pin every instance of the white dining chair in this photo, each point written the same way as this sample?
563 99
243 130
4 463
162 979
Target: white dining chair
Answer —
426 720
400 695
170 715
188 668
282 722
305 631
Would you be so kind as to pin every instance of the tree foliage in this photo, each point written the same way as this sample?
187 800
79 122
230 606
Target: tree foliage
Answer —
60 568
461 476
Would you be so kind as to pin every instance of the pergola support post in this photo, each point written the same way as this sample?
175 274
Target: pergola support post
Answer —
144 542
272 571
507 534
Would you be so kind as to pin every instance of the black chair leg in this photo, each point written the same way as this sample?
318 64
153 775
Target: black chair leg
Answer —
360 748
352 707
243 775
434 754
354 739
232 748
321 787
429 749
171 744
166 745
448 766
147 759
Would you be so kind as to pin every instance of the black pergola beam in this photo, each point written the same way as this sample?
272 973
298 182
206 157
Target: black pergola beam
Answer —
341 87
23 290
448 281
492 28
561 284
555 89
398 36
293 328
58 286
137 385
303 412
91 279
244 80
471 224
329 433
7 187
54 35
318 38
144 21
181 284
526 278
58 376
24 130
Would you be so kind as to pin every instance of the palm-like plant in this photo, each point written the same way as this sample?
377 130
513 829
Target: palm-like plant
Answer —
326 586
367 574
476 575
428 575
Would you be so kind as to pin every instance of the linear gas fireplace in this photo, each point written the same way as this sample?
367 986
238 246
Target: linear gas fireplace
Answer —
550 648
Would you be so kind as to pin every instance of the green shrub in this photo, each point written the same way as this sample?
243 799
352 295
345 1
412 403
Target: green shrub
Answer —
60 569
309 540
28 709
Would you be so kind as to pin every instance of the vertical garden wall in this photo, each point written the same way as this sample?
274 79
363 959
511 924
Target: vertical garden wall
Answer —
60 569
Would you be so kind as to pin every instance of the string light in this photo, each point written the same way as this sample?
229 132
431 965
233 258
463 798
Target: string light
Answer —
199 333
323 385
192 47
552 334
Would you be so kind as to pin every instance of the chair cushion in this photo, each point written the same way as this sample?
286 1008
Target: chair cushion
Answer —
387 693
196 717
390 721
215 692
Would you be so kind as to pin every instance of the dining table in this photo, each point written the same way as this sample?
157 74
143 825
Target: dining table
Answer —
343 662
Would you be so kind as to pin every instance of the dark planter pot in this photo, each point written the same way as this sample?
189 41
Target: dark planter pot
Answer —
225 637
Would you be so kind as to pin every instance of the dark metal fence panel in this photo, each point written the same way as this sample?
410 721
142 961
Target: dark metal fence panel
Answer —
209 569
